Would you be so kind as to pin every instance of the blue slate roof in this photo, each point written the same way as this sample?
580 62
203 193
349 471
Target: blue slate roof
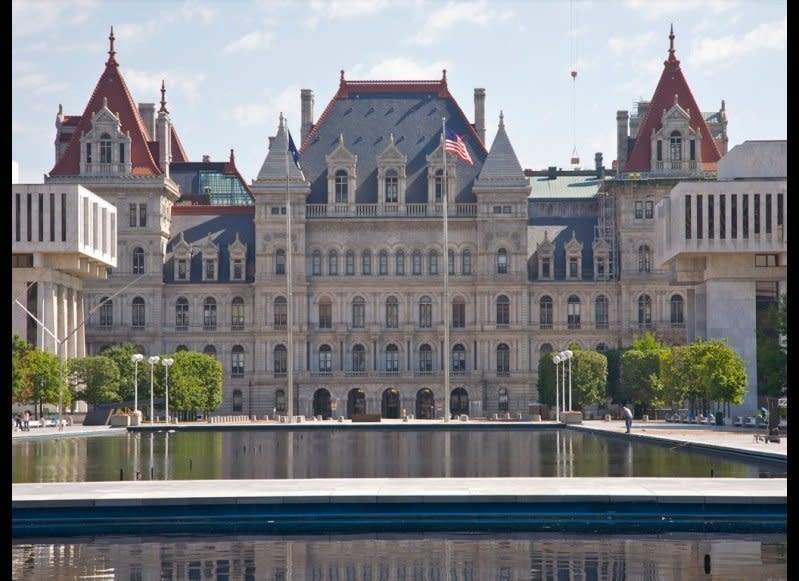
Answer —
367 113
559 231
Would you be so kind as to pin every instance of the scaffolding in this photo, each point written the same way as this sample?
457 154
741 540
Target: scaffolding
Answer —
605 229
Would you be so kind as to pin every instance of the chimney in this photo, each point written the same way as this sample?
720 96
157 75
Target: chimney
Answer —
600 170
480 113
622 117
206 158
552 172
147 112
306 121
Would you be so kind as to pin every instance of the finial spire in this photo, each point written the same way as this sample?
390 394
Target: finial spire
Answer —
672 58
163 98
232 158
281 120
111 51
501 119
444 76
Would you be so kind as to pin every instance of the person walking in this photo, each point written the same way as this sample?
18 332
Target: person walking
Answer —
628 418
27 424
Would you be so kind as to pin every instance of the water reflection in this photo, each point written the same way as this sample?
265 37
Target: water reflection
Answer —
402 557
246 454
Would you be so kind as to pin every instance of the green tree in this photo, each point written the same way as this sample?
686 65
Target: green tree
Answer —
614 373
723 372
546 379
20 387
94 379
195 382
121 354
640 372
589 377
43 376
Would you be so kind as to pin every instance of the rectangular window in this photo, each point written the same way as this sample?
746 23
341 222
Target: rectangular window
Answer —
17 216
711 230
506 210
325 315
659 150
88 153
86 221
545 268
687 217
332 264
121 153
757 214
432 267
95 224
132 208
52 218
450 263
316 265
459 315
416 264
745 216
209 269
383 264
278 210
722 216
425 315
392 315
699 220
400 264
639 209
572 267
765 260
648 209
181 269
779 209
41 217
142 215
238 269
734 216
768 213
497 209
467 264
358 315
600 268
366 264
349 263
692 149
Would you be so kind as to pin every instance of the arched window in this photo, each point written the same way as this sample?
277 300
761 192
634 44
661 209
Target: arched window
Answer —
358 313
237 314
332 263
392 359
105 148
502 261
349 263
458 359
400 262
182 314
545 348
280 401
137 318
280 360
106 312
316 263
392 186
503 310
280 313
573 312
237 361
425 359
138 261
383 263
601 347
644 258
439 186
601 312
503 359
644 311
416 262
280 262
677 317
366 262
237 400
210 350
458 313
502 399
325 314
432 263
358 359
675 147
209 314
392 313
466 263
425 312
325 359
545 312
342 187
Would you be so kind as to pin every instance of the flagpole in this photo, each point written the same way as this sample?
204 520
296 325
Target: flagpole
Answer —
446 273
289 310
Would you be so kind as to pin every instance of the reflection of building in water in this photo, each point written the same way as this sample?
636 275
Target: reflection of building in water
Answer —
533 556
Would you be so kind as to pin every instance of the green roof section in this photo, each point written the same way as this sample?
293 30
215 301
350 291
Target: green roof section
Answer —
224 189
569 186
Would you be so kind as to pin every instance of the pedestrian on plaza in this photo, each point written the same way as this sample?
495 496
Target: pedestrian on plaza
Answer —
628 418
27 427
17 423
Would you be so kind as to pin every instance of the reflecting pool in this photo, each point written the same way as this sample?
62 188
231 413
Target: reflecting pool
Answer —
402 557
355 453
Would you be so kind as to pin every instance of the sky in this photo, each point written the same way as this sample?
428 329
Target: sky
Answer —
230 68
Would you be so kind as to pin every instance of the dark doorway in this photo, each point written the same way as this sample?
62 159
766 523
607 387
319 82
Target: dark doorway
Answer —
356 402
425 403
459 401
321 404
390 406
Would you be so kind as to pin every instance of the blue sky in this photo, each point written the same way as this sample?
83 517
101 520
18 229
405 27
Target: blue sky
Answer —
232 67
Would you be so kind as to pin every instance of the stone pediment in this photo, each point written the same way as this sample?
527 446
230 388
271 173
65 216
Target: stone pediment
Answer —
237 248
181 248
545 246
391 155
574 245
208 247
341 156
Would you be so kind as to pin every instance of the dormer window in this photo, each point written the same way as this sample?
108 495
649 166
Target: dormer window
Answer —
210 260
182 254
545 251
104 145
439 187
392 186
574 258
391 164
105 148
342 187
341 174
238 258
675 148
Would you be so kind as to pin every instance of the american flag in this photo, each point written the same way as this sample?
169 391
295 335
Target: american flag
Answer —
454 143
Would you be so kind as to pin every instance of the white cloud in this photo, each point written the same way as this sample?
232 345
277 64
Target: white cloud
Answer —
146 86
771 35
250 42
630 45
342 9
669 8
34 17
400 68
454 13
267 111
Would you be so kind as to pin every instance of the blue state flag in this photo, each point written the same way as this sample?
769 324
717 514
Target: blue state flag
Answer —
293 152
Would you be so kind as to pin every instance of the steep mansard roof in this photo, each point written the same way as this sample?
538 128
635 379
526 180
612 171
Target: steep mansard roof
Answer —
112 89
672 82
502 168
364 115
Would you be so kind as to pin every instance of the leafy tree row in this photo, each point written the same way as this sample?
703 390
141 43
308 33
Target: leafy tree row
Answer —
195 379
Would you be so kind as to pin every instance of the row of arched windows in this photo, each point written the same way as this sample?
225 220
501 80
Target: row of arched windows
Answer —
574 306
400 263
341 186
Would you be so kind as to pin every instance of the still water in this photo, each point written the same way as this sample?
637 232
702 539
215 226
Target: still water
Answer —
683 557
352 453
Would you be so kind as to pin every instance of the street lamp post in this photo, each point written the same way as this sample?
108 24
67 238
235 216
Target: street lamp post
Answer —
136 357
166 362
153 359
556 360
569 356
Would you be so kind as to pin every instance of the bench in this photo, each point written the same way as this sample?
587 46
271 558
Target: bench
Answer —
365 418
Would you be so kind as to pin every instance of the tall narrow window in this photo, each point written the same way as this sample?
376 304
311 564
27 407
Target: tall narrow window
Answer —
121 153
573 312
366 262
325 314
699 218
316 263
779 209
466 261
142 215
502 261
349 263
711 215
734 216
358 313
280 360
280 313
649 209
450 262
432 264
601 312
425 359
639 209
382 263
325 359
392 186
644 311
722 216
209 314
105 148
692 149
238 269
545 312
503 359
392 313
41 220
687 217
659 149
237 314
458 313
392 359
400 263
573 266
745 216
237 361
675 149
768 213
137 318
342 187
133 210
106 312
503 310
182 314
439 185
88 153
332 263
358 359
52 219
425 312
677 319
416 262
757 214
280 262
138 261
458 359
644 258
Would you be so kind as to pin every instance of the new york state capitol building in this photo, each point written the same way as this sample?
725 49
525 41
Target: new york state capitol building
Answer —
680 237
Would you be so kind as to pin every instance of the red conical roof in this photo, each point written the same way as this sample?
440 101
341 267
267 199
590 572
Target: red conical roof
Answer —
672 82
112 90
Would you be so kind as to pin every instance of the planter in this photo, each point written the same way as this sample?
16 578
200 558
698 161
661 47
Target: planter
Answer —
571 417
120 421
